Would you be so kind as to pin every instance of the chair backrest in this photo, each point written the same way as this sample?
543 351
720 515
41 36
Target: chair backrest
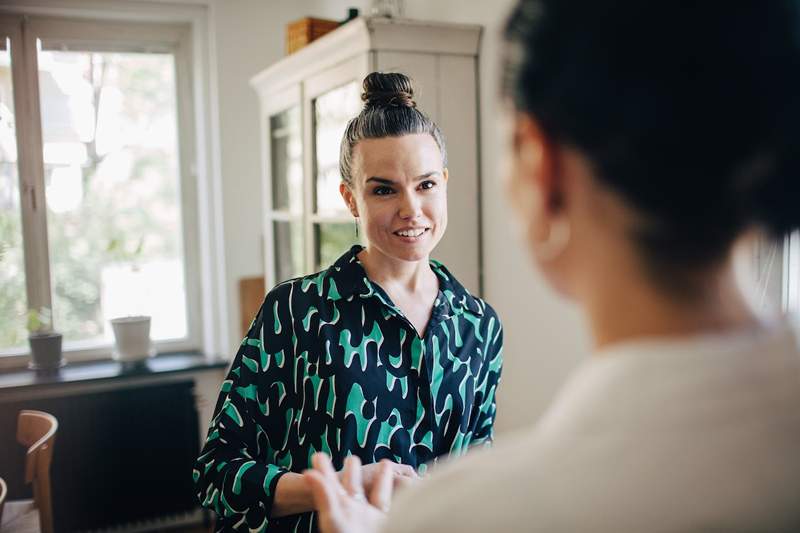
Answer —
36 430
3 495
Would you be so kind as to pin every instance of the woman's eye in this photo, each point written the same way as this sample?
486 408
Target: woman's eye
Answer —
382 191
427 185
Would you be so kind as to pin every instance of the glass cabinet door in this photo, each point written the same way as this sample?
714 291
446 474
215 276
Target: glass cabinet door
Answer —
287 193
334 231
332 111
331 240
287 164
288 249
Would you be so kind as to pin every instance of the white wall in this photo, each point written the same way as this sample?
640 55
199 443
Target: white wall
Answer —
544 337
249 36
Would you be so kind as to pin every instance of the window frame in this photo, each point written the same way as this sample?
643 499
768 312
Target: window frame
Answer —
774 267
112 35
790 282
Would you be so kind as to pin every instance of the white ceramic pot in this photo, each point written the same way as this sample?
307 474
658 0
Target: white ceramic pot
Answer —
132 335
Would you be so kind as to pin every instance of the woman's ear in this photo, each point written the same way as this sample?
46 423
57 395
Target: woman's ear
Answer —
537 160
349 198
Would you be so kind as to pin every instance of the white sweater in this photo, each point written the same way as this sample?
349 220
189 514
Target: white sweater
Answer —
700 434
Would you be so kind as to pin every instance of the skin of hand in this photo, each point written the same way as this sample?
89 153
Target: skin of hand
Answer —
341 502
403 475
293 495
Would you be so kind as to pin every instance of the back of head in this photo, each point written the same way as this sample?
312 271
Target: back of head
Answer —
389 111
690 111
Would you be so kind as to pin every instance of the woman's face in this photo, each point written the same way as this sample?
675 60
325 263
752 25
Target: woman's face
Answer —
399 193
530 181
571 223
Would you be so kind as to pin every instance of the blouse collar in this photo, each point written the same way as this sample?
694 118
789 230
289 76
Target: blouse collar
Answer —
350 279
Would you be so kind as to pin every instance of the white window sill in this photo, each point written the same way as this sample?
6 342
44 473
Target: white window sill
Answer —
84 352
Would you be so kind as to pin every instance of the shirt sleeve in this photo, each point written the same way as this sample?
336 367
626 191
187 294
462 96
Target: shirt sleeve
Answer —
235 475
485 408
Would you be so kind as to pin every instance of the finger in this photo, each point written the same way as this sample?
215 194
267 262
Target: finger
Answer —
381 494
322 464
323 492
353 482
403 482
406 470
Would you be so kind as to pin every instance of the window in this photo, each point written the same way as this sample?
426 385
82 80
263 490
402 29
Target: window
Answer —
12 273
96 199
791 265
777 270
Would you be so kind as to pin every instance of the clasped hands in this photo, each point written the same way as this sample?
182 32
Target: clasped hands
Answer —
356 499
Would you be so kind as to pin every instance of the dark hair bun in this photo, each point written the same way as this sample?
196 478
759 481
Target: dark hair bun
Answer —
691 113
388 90
389 111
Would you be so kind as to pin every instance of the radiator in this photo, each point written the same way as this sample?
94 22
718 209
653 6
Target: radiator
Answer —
122 460
194 521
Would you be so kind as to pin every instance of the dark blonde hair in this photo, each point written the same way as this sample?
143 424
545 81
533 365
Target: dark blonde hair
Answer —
389 111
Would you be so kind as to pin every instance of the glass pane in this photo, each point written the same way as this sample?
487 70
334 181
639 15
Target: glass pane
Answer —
792 264
287 163
113 191
331 240
768 259
332 111
288 238
13 300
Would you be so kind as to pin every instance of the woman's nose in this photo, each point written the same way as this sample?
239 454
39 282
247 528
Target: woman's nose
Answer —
410 207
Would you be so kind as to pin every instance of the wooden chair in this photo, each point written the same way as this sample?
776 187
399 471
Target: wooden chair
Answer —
3 494
36 430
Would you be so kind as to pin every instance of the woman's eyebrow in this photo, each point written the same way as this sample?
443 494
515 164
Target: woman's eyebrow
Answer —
386 181
427 175
383 181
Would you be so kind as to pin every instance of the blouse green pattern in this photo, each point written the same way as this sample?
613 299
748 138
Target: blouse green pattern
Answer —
330 364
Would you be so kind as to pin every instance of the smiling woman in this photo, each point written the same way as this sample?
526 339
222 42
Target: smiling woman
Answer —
383 356
400 196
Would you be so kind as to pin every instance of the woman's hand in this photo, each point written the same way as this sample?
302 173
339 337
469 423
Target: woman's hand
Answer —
402 475
342 505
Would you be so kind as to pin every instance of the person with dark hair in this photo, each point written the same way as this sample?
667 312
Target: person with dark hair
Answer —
384 358
651 143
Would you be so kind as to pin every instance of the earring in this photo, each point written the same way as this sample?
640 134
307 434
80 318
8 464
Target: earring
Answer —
557 239
355 223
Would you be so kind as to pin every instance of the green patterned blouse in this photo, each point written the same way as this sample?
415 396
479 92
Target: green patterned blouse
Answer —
331 364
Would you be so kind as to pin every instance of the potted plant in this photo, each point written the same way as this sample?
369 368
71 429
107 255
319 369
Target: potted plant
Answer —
132 338
45 343
131 332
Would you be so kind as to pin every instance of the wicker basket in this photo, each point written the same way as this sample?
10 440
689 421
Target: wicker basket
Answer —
301 32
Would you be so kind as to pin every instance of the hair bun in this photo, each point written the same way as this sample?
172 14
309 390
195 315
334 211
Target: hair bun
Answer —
388 90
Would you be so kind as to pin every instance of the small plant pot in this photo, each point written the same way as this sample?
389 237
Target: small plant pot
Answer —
132 336
45 351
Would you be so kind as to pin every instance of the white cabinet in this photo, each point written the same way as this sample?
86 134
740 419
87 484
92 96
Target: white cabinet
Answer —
306 101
